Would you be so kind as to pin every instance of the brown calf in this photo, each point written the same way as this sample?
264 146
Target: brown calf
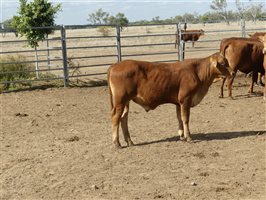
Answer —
189 35
152 84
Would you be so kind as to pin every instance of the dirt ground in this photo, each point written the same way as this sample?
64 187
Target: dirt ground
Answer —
56 144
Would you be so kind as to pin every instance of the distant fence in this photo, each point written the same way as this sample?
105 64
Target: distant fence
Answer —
117 46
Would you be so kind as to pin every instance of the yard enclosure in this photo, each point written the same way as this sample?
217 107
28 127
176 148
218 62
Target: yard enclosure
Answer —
56 144
88 53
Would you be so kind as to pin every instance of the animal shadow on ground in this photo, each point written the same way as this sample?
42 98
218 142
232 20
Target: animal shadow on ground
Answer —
249 95
91 83
32 88
209 136
81 84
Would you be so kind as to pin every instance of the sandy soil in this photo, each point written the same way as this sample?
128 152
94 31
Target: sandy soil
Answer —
56 144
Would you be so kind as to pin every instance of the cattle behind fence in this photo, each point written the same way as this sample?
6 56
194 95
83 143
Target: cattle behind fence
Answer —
87 53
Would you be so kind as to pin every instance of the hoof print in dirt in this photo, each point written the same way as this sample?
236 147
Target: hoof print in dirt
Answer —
21 115
193 184
73 139
95 187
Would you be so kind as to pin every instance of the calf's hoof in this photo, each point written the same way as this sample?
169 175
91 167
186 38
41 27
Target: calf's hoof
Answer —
117 145
261 84
182 138
230 97
130 143
250 91
189 140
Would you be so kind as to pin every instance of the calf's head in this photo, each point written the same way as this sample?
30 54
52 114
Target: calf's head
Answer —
201 32
220 66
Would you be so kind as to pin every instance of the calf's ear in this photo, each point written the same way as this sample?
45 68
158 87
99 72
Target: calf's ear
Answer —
213 62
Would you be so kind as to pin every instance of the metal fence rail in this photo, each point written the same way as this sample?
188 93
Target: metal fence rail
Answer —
58 49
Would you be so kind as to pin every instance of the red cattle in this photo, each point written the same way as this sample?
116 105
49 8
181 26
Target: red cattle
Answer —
189 35
257 34
152 84
245 55
263 40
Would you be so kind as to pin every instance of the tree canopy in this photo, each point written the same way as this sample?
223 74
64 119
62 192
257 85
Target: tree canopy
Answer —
38 13
119 20
220 6
101 17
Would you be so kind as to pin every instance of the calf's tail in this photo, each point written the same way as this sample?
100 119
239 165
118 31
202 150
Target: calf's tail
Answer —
109 87
223 48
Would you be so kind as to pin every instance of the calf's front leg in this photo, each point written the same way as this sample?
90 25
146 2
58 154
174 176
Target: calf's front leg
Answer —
185 112
180 123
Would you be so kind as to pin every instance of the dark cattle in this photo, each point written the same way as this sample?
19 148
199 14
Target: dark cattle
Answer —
152 84
189 35
245 55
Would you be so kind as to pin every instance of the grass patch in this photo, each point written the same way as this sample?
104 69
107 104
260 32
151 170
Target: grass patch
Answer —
16 70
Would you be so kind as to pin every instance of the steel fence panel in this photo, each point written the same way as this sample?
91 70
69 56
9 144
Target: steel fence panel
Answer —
118 47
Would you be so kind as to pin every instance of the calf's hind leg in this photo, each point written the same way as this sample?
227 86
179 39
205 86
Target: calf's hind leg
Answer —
253 80
222 88
116 117
124 125
230 81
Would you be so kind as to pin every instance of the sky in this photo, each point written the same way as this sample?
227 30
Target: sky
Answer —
75 12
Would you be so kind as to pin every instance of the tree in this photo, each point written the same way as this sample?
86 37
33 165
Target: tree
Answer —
38 13
191 18
99 17
220 6
241 9
156 20
177 19
8 24
255 11
210 17
118 20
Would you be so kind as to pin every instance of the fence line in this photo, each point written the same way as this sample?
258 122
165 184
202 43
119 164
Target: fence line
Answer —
118 38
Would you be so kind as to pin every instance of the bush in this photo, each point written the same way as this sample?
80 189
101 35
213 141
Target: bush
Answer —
104 30
14 71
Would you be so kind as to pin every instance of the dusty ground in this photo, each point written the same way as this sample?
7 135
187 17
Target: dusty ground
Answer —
56 144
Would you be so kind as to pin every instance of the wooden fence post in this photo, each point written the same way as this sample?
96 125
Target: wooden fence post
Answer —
64 56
